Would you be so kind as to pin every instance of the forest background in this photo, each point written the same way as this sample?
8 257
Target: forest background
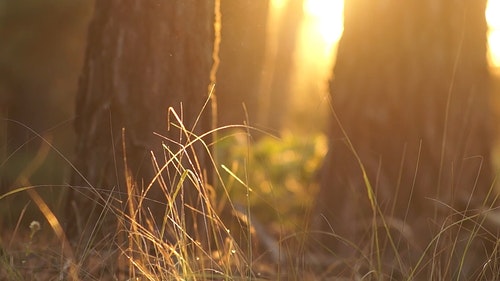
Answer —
42 53
41 58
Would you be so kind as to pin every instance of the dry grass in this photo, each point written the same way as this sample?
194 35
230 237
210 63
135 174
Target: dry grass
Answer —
143 248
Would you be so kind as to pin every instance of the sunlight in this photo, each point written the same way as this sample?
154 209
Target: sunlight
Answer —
278 4
492 13
325 17
320 31
493 18
328 17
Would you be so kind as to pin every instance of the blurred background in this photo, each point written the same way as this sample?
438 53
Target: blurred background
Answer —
42 45
276 60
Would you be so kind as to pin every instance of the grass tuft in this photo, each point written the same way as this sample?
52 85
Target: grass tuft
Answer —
251 225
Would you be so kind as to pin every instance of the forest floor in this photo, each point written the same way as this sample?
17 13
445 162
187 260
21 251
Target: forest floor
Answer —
278 195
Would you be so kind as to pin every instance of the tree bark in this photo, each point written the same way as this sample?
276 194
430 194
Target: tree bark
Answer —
243 40
142 58
410 98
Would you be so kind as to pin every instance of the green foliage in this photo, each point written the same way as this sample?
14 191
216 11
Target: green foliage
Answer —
279 173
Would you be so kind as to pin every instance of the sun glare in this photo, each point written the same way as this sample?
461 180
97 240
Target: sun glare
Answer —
320 31
493 18
326 18
328 15
278 4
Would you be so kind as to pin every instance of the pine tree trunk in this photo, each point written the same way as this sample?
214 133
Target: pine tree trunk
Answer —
142 58
243 38
410 91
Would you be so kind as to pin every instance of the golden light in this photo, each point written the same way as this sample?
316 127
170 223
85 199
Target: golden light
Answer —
327 16
320 30
278 4
492 11
322 27
493 18
314 56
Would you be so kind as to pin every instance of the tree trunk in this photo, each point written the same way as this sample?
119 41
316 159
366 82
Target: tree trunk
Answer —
409 96
243 37
275 91
142 58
